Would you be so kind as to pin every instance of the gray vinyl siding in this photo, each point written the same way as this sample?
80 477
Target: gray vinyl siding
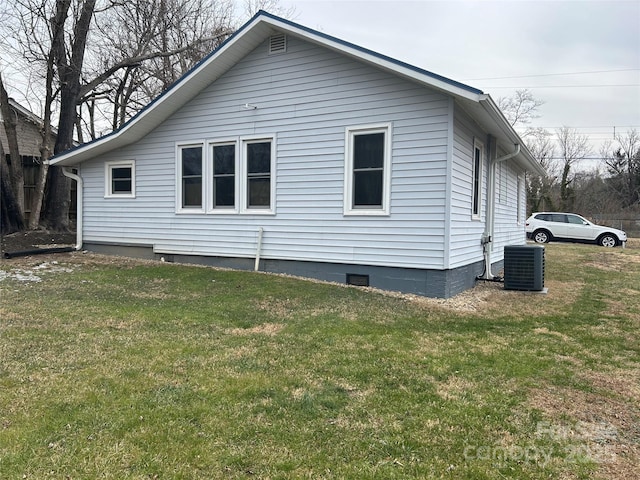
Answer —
306 99
507 231
466 233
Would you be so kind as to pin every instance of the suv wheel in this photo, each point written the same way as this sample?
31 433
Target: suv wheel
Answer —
541 236
608 240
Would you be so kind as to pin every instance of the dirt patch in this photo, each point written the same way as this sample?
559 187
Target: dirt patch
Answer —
32 239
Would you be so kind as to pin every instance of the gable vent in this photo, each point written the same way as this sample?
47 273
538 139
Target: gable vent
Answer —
277 43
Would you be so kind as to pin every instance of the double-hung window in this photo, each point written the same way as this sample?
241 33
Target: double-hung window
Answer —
224 176
476 179
258 167
120 179
258 175
190 169
367 170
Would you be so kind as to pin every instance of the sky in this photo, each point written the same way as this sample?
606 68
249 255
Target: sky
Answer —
582 58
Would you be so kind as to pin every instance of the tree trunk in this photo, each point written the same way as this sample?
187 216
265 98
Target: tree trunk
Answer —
11 219
16 172
56 212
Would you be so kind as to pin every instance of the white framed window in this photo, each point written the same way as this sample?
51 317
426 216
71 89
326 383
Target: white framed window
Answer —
258 175
476 178
367 178
224 176
190 176
120 179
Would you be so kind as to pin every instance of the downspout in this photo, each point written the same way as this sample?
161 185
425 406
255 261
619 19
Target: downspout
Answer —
487 240
79 196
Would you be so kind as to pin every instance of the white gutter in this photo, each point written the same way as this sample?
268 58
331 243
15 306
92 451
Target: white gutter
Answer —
491 210
68 173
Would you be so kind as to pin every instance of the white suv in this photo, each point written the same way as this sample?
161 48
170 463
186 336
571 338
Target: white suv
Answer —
543 227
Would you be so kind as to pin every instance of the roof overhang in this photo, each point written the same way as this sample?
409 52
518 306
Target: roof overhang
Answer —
246 39
491 119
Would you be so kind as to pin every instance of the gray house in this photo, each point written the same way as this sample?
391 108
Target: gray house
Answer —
287 150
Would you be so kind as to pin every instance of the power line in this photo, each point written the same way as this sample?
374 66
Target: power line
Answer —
554 74
566 86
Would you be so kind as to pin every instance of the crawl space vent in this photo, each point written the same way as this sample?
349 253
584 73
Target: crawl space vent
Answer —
358 280
277 43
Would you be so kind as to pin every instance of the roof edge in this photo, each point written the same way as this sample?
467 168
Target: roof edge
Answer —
492 108
128 132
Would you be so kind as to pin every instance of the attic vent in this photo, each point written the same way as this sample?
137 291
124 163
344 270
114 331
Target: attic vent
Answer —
277 43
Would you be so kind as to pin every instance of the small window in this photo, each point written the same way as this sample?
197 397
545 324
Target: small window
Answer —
224 176
367 171
120 179
190 170
575 219
476 186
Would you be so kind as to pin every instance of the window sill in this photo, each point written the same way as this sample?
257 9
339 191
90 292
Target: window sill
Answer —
130 195
366 213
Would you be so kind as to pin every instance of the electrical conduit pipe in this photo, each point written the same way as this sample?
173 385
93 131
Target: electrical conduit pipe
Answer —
491 210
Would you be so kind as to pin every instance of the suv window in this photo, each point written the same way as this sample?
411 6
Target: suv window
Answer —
575 219
558 218
543 216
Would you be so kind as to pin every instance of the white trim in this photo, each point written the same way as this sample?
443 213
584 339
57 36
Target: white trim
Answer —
477 145
108 183
178 176
209 181
243 191
350 133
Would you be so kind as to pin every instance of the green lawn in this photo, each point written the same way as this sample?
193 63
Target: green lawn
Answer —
127 369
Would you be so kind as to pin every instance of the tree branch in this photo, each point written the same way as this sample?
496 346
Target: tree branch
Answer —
132 61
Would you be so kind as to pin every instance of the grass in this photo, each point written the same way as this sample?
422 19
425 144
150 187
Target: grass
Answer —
136 370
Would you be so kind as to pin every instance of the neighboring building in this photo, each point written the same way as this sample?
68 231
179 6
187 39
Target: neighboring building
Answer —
324 159
28 130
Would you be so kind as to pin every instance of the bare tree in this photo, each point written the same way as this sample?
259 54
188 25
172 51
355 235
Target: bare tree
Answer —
148 46
521 108
540 188
623 165
107 59
573 148
251 7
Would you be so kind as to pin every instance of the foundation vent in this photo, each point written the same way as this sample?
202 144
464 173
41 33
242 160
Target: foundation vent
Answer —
357 280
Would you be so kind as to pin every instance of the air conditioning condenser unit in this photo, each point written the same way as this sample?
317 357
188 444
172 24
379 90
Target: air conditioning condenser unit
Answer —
524 267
